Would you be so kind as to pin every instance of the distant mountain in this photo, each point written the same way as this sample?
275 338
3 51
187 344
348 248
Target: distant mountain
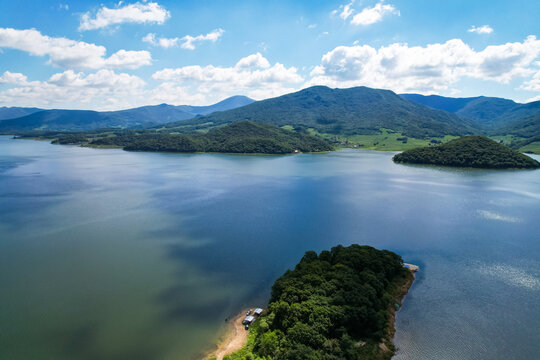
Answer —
469 151
146 116
16 112
358 110
232 102
489 113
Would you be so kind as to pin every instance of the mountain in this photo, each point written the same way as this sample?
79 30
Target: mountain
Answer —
469 151
489 113
146 116
239 137
16 112
358 110
232 102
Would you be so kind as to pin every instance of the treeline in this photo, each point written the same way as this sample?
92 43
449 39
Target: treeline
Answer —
335 305
240 137
468 151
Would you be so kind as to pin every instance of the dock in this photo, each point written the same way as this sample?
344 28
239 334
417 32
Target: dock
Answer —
413 268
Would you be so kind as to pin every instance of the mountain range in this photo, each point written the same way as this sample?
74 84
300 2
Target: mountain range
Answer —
15 112
494 115
319 109
358 110
77 120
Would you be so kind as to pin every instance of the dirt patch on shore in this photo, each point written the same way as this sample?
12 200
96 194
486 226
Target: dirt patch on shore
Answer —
235 338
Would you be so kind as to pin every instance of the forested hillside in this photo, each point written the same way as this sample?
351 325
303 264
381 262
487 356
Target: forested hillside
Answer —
358 110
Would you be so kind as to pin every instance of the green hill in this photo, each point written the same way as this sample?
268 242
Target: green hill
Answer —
333 305
468 151
358 110
242 137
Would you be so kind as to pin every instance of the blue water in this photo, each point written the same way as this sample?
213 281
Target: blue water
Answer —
107 254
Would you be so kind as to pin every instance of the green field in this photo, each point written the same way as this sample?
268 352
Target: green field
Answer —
533 147
386 140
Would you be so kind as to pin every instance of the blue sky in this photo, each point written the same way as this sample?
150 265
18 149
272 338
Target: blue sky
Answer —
114 55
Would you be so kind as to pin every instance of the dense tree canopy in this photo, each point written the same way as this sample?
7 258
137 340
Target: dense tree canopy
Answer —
468 151
241 137
358 110
328 303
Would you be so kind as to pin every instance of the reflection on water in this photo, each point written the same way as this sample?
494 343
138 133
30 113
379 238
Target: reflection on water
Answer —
106 254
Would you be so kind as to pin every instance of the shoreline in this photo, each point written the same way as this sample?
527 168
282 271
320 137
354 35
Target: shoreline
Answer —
234 338
337 148
387 344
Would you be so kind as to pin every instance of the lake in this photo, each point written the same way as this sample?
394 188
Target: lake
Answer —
107 254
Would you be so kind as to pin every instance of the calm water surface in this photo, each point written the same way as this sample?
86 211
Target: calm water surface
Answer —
107 254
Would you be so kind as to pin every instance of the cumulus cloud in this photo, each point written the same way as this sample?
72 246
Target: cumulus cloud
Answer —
163 42
187 42
132 13
426 69
13 78
368 15
101 90
252 76
373 14
68 53
253 61
533 84
485 29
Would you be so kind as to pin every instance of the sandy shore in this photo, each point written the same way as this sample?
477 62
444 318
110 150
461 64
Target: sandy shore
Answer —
235 338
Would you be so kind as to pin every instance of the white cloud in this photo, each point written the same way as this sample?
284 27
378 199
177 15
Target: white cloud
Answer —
535 98
486 29
163 42
252 76
312 26
188 41
132 13
101 90
374 14
13 78
426 69
533 84
346 10
253 60
68 53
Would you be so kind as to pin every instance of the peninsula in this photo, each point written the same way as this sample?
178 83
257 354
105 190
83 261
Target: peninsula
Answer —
338 304
468 151
244 137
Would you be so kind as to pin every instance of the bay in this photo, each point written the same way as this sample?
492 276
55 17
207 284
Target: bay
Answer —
107 254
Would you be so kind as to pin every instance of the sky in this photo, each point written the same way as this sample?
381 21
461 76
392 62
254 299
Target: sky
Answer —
116 55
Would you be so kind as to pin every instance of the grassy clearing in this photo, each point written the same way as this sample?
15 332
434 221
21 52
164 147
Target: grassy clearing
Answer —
533 147
386 140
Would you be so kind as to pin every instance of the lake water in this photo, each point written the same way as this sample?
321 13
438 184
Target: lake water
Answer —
107 254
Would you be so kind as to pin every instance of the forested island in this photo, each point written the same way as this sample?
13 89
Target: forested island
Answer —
468 151
241 137
338 304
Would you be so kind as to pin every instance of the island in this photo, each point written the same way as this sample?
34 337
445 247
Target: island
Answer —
244 137
338 304
468 151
